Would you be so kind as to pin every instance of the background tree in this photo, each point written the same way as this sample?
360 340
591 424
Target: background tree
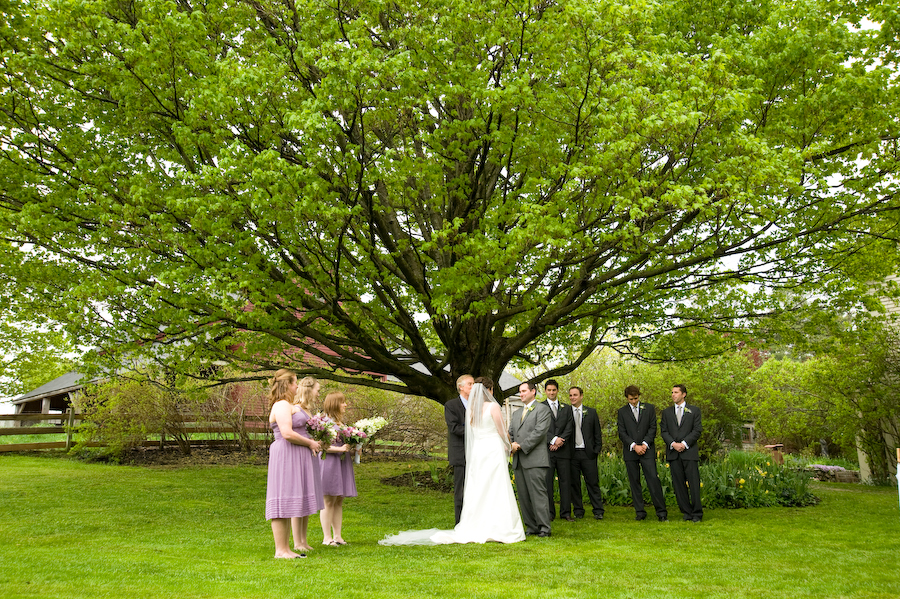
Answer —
846 391
721 385
31 358
359 186
34 349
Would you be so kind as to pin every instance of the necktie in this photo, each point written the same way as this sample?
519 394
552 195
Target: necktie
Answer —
579 438
678 413
634 410
553 407
524 411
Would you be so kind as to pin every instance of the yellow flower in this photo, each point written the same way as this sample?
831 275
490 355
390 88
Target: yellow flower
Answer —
701 484
667 464
741 481
768 463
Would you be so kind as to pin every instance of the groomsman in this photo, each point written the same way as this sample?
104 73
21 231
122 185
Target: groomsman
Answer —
587 444
562 426
681 428
528 432
455 417
637 431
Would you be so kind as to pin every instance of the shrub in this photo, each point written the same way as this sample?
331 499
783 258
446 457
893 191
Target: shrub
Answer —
120 413
415 424
737 480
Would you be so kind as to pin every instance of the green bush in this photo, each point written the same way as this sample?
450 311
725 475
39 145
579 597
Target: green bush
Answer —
737 480
120 413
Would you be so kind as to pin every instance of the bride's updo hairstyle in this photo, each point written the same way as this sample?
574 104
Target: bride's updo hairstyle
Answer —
279 386
306 392
487 382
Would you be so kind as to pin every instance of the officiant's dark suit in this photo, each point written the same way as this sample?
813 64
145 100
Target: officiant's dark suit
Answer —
528 433
455 417
682 453
638 451
587 443
562 427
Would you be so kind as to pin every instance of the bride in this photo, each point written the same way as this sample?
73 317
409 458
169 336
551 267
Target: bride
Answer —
489 512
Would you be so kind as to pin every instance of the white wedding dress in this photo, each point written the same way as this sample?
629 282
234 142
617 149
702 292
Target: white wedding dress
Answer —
490 512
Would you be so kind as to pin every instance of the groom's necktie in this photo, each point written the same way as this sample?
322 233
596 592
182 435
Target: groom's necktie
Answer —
634 410
579 438
553 407
679 412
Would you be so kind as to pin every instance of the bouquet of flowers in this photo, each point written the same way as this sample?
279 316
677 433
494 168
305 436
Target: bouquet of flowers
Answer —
322 429
352 436
367 427
371 425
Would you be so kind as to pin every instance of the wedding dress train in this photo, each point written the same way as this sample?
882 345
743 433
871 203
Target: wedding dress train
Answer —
490 512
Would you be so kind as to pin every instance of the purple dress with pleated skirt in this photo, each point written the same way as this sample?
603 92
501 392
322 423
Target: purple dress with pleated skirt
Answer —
294 484
337 475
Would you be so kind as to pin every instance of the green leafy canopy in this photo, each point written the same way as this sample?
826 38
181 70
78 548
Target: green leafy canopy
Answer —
357 186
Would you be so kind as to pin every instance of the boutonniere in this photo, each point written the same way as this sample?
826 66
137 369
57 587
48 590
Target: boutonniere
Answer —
529 408
688 411
641 407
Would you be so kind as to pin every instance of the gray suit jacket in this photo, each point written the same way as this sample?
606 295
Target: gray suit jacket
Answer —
531 435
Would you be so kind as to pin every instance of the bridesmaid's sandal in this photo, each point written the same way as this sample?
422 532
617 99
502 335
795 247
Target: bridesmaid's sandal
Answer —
341 542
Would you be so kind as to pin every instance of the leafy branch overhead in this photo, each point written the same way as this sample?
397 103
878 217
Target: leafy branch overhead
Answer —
360 186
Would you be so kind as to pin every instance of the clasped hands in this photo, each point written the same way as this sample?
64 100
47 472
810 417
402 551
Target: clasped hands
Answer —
679 447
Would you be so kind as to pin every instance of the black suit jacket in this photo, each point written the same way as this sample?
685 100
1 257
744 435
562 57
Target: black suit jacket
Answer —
563 425
638 432
688 432
455 417
590 430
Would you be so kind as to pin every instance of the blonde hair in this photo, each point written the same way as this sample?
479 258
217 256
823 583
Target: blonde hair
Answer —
305 392
278 386
463 378
332 407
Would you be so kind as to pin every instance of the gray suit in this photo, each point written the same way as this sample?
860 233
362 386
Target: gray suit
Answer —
530 465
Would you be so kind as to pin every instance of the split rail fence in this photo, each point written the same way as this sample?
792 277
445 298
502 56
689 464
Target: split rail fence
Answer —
65 424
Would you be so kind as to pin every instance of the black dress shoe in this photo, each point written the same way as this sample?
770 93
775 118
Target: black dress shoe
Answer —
600 517
663 519
543 534
687 518
697 519
640 517
568 518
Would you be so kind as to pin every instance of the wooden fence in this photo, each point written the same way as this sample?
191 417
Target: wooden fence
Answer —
65 423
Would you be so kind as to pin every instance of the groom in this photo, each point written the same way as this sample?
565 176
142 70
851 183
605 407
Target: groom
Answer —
531 460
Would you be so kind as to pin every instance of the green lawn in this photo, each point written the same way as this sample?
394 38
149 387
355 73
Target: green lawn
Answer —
71 529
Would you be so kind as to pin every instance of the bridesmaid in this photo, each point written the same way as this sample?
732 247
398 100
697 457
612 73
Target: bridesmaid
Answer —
337 475
293 489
